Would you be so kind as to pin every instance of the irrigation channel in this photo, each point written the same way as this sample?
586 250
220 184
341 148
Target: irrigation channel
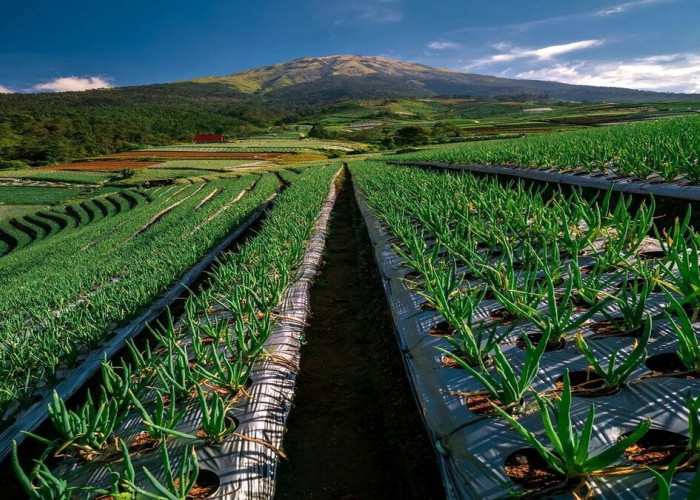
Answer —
355 431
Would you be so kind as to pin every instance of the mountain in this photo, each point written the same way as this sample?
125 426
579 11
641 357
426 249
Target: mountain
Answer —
318 80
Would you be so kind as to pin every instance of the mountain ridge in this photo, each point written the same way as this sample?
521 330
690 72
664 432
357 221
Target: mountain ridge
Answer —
331 78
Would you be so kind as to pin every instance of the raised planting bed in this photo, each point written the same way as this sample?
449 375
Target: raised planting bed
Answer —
200 412
66 296
679 188
470 272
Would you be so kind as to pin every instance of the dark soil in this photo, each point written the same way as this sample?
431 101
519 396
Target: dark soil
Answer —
607 328
657 447
442 329
587 384
528 469
480 404
204 487
143 442
669 363
355 431
503 316
535 340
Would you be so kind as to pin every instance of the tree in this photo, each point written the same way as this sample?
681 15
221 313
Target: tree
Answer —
412 135
318 131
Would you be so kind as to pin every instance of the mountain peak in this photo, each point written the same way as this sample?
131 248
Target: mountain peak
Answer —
332 78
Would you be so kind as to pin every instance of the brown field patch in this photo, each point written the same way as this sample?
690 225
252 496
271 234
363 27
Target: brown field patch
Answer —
101 166
199 155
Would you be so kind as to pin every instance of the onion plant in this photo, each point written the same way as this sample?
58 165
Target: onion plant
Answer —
90 427
616 373
178 483
44 485
510 384
570 455
163 419
215 424
559 316
688 345
631 302
224 373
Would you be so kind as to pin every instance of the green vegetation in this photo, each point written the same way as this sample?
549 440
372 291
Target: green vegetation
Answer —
544 265
36 195
66 294
24 230
246 287
667 148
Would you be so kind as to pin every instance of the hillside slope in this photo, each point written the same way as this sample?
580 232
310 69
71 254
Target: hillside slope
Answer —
316 80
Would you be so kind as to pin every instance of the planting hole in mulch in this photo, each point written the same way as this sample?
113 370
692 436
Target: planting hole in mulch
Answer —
608 328
586 384
657 255
231 422
442 329
142 442
526 468
480 404
205 486
535 338
503 316
413 276
426 306
669 363
656 447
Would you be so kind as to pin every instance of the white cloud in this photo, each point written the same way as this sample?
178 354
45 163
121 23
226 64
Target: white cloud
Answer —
624 7
542 54
380 11
666 72
442 45
5 90
74 83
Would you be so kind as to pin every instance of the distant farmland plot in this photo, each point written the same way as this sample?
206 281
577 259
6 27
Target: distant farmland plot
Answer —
36 195
68 176
197 154
100 165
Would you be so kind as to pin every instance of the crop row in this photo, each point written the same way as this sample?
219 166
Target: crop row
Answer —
26 230
63 296
521 289
154 419
666 148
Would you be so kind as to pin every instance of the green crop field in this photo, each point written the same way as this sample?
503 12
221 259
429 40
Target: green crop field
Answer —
667 148
36 195
538 326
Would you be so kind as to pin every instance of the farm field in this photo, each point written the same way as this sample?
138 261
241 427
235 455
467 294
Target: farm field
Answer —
78 299
509 308
517 308
666 148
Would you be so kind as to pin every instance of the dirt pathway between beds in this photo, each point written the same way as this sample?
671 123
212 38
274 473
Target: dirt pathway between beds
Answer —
355 431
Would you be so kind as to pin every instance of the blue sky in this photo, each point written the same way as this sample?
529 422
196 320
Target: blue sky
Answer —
79 44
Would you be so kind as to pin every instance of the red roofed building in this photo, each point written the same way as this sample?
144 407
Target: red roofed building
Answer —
203 138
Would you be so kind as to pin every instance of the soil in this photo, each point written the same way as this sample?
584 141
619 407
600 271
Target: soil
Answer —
480 404
426 306
586 384
606 328
442 329
503 316
142 443
528 469
535 340
355 431
204 487
657 447
668 363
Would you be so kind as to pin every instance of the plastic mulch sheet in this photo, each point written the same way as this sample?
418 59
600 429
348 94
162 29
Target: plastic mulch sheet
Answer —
632 185
246 461
472 448
30 418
